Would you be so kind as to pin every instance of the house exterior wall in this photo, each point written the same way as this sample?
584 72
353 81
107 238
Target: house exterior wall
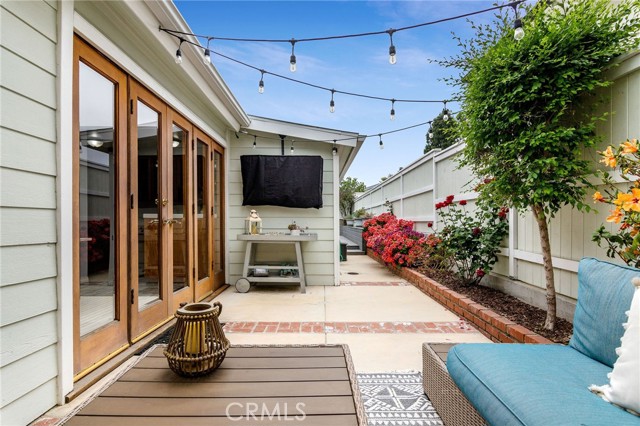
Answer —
28 236
319 256
435 175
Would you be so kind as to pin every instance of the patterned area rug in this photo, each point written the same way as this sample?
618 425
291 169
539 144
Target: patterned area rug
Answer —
392 399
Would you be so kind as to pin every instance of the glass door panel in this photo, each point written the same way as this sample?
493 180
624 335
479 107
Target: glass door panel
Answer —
218 260
180 202
150 203
96 180
203 213
201 210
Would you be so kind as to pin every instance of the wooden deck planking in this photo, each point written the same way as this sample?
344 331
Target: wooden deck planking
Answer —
274 380
271 352
227 390
216 407
233 375
247 363
322 420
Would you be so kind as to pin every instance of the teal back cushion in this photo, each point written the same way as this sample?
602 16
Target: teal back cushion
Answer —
604 295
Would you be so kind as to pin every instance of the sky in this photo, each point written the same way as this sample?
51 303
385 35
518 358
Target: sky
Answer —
359 65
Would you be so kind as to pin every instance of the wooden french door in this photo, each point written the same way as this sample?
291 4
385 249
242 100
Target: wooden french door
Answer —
150 203
148 208
100 315
204 214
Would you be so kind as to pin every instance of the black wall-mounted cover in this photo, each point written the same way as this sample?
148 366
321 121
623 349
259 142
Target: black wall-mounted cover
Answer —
286 181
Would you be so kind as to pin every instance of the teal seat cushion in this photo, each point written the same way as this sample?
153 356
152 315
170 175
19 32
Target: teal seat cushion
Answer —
604 295
525 384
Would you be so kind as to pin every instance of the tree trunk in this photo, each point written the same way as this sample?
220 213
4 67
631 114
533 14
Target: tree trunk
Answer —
538 213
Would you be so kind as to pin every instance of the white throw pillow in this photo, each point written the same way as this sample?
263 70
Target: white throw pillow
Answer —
624 381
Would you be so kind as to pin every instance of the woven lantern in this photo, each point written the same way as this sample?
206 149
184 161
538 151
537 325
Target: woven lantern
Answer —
198 344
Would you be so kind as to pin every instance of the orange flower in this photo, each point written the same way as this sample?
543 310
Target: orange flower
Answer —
629 201
615 216
630 146
609 157
598 197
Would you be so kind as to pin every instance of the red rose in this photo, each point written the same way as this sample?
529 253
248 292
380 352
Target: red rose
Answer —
449 198
480 273
463 202
476 231
430 224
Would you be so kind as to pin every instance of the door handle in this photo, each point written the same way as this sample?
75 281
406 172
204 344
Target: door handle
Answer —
171 221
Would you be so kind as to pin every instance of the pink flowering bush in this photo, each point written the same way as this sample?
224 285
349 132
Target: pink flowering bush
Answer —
395 241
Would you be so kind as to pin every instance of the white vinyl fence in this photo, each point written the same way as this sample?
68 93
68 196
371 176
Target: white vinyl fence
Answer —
415 190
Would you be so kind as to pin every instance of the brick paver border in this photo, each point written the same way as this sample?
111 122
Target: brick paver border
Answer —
337 327
375 284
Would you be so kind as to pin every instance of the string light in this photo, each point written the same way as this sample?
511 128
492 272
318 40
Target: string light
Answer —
179 52
261 83
381 144
430 134
518 34
393 111
445 112
335 148
293 80
254 142
292 60
392 48
348 138
207 52
332 104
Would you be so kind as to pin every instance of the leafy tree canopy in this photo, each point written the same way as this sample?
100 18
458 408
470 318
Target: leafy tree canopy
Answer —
524 102
348 188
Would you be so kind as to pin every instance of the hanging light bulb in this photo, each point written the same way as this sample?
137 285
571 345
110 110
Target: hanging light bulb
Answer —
392 115
381 144
332 104
445 112
176 142
335 148
261 84
430 134
179 52
292 59
207 52
518 34
292 141
254 142
392 48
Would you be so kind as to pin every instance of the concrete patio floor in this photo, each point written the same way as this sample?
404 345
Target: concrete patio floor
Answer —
382 318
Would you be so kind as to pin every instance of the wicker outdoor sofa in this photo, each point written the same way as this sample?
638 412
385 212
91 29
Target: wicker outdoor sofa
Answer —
539 384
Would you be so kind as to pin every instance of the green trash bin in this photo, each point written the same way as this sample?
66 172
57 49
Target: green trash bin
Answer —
343 252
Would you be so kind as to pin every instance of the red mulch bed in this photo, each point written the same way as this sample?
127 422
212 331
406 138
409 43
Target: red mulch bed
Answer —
508 306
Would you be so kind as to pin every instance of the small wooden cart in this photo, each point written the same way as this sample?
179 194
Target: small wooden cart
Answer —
244 284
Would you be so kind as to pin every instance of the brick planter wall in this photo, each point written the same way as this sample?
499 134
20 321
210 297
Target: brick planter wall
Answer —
494 326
